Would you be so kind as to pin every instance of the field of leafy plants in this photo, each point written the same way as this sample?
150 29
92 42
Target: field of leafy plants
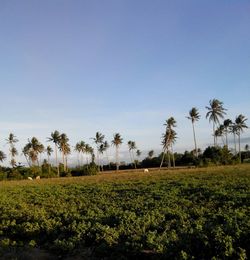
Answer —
181 214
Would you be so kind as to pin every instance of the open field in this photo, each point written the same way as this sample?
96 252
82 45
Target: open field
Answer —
173 214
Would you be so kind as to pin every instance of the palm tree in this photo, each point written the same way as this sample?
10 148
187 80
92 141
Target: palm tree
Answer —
101 150
215 112
106 147
227 124
150 154
219 132
78 150
89 151
98 140
13 153
49 151
168 139
11 140
117 141
32 150
2 156
138 154
67 151
25 152
82 149
240 122
132 147
63 146
55 138
194 116
234 130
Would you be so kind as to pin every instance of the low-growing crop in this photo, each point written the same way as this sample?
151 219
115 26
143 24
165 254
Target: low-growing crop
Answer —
189 214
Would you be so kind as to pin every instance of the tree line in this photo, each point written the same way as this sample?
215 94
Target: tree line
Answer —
221 128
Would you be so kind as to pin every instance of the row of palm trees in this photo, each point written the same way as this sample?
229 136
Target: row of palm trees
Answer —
216 112
34 148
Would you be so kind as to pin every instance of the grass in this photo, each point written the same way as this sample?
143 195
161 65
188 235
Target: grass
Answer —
175 214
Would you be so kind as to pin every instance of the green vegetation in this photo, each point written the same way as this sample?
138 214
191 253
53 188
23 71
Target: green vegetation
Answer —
92 160
183 214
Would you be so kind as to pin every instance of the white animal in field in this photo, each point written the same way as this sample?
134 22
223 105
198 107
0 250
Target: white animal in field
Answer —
29 178
37 177
146 170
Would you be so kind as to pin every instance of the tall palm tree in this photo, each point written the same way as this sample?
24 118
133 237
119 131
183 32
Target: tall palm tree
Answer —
215 112
25 152
194 116
106 147
98 140
168 140
240 122
117 141
101 150
220 132
171 123
2 156
132 147
138 154
63 146
11 140
78 150
13 153
49 151
233 129
32 150
89 152
82 150
67 151
55 138
227 124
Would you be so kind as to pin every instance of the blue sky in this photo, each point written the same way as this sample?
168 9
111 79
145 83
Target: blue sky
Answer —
121 66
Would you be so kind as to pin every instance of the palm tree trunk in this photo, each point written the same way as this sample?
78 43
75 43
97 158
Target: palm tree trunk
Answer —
97 159
214 131
116 155
195 145
66 163
63 157
130 157
48 164
134 159
235 151
169 161
226 138
108 159
162 160
239 149
58 173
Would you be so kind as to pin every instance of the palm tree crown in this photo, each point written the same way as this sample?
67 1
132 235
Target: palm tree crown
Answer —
194 114
117 141
215 112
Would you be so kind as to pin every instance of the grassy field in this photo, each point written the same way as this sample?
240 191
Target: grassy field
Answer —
171 214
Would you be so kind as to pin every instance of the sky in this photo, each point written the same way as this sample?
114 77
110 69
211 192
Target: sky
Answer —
121 66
